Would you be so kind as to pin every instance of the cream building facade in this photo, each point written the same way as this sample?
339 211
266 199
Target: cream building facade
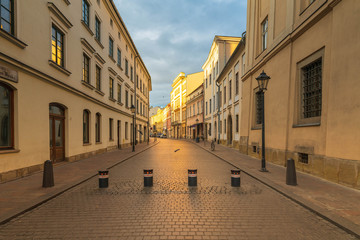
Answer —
178 106
310 51
220 52
68 77
230 97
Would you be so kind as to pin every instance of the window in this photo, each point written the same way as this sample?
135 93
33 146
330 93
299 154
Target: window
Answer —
85 12
224 94
119 57
209 129
111 127
210 105
132 100
214 103
237 83
137 106
6 117
132 74
126 98
126 67
225 126
57 46
7 15
194 109
237 123
119 93
111 47
97 29
264 29
98 77
97 127
198 108
258 107
141 108
303 158
86 123
206 82
230 88
86 69
311 89
243 64
210 79
111 87
140 85
126 130
206 108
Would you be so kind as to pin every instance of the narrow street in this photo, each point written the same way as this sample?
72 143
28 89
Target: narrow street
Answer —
171 209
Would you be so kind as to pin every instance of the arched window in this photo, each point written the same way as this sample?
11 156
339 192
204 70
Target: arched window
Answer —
6 117
98 127
86 123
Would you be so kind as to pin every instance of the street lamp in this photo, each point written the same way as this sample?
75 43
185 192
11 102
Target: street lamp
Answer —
263 81
132 108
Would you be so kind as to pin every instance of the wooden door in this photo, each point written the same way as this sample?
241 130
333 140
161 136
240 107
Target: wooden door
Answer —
57 134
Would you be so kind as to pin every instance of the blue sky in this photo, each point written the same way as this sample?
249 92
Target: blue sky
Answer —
174 36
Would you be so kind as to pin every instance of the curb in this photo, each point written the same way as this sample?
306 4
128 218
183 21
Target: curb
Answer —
46 198
336 220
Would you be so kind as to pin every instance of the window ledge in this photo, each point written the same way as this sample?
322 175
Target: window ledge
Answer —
256 128
61 69
88 85
86 144
112 99
120 67
97 143
306 125
120 103
98 42
112 59
87 28
12 39
99 92
5 151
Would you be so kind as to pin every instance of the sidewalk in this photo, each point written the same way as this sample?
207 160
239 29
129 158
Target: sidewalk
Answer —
336 203
24 194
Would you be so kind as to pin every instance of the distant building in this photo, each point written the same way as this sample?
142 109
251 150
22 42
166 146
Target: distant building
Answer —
195 116
220 52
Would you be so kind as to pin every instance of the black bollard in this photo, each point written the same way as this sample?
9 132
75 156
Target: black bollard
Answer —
291 172
235 178
48 175
148 178
192 177
103 179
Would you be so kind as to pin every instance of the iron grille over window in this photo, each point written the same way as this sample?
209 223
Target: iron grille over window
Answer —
258 99
311 89
303 158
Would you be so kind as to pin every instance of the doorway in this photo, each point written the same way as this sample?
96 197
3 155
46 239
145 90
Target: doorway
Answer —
118 134
229 132
57 132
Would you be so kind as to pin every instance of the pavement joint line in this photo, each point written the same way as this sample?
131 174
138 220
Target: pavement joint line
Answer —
52 196
295 198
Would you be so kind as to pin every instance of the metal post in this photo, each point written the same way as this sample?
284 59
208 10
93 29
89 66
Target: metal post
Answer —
133 148
263 163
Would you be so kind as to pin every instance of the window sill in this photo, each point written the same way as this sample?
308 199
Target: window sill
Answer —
112 59
99 92
120 103
112 99
86 144
5 151
111 140
119 66
87 28
97 143
256 128
88 85
61 69
98 42
12 39
306 125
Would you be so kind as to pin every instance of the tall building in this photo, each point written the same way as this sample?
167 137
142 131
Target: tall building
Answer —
220 52
178 106
69 73
310 51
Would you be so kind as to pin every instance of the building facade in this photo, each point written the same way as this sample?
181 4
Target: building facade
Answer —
178 106
230 103
195 116
220 52
310 51
66 91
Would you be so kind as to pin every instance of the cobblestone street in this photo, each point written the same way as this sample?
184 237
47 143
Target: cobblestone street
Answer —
171 209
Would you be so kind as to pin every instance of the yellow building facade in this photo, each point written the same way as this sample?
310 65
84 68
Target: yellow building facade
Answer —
310 51
68 77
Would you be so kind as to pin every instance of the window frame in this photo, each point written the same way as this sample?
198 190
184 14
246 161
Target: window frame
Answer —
111 47
86 12
97 29
86 68
11 90
86 128
62 34
111 88
12 18
111 129
98 128
98 77
264 33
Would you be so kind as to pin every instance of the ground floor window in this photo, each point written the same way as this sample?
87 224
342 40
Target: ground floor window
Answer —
6 117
